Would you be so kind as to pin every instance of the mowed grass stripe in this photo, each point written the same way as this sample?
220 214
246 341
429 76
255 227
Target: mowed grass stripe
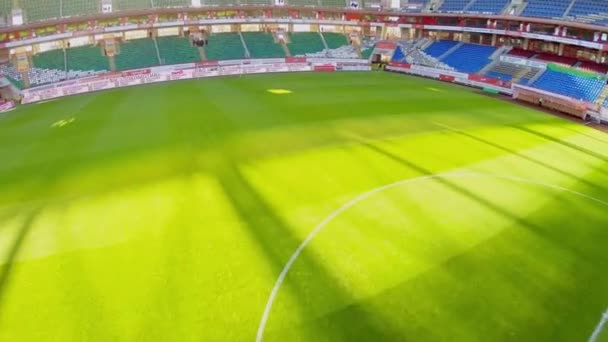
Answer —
171 209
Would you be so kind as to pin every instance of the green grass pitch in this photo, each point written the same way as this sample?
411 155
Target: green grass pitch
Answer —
167 213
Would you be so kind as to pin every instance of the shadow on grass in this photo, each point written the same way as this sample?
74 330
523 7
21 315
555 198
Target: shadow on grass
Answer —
276 239
13 252
563 143
473 197
524 157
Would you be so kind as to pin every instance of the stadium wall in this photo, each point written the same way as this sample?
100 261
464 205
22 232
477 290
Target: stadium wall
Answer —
189 71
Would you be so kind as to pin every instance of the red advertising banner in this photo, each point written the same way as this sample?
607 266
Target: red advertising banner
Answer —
136 72
484 79
207 63
447 78
295 60
400 65
385 45
328 67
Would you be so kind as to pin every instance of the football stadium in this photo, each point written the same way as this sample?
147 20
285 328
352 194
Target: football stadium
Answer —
303 170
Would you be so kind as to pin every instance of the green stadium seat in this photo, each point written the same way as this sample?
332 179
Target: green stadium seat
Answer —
53 59
335 40
79 7
86 58
333 3
224 46
303 2
171 3
125 5
41 9
137 53
175 50
366 53
262 45
305 42
255 2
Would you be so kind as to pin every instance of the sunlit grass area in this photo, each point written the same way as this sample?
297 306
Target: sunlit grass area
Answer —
167 213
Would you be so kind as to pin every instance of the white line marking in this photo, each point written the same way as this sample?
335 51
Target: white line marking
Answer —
365 195
599 327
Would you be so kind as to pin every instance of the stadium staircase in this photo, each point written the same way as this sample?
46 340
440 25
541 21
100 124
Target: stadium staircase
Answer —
450 51
262 45
567 11
247 52
157 50
176 50
335 40
225 46
323 40
440 47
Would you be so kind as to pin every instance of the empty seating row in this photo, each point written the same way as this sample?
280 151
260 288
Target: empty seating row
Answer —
224 46
488 6
335 40
440 47
453 5
262 45
546 8
470 58
585 88
175 50
137 53
305 42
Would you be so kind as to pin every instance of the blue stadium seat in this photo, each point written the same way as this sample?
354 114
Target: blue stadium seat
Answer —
488 6
579 87
546 8
453 5
440 47
470 58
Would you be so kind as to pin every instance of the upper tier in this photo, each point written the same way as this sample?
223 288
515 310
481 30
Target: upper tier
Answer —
586 11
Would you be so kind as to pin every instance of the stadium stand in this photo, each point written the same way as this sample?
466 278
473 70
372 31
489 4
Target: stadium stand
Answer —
470 58
488 6
137 53
335 40
305 42
512 72
41 10
586 10
124 5
224 46
78 7
367 53
546 8
440 47
86 58
453 5
262 45
52 60
333 3
569 82
171 3
303 2
175 50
